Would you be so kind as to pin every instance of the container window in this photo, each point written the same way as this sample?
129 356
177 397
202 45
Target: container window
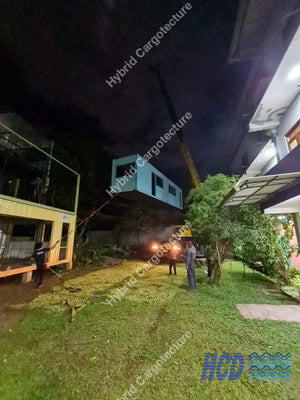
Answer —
159 182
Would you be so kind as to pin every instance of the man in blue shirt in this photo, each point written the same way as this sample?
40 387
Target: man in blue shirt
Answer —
190 265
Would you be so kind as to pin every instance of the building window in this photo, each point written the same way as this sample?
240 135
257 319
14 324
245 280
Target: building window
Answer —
293 136
159 182
153 184
172 190
122 169
64 241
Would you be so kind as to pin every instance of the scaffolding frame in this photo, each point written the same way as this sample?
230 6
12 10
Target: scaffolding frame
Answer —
13 207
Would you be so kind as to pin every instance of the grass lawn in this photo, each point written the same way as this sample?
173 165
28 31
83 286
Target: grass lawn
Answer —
105 349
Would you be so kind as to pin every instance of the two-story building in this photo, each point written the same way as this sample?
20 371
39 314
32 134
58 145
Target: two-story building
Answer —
266 151
38 201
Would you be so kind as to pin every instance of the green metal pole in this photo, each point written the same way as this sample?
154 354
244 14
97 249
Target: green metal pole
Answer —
77 194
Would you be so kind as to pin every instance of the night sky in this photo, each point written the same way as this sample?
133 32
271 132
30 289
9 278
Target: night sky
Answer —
57 55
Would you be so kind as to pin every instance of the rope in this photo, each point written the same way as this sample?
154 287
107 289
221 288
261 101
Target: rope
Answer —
91 215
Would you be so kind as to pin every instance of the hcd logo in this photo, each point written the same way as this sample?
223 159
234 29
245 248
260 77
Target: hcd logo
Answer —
269 367
237 359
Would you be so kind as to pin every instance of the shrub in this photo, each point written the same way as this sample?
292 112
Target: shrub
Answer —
295 277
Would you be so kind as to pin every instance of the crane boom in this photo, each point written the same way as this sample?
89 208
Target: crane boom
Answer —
185 151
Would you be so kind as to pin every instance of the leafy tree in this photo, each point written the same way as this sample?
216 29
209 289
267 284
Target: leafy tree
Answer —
256 239
253 235
210 222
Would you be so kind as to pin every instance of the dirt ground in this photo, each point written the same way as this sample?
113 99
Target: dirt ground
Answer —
14 295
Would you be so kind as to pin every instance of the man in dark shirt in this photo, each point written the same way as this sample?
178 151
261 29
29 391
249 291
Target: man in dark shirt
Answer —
39 255
172 258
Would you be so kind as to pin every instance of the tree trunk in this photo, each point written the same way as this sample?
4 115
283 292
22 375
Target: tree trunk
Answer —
216 272
209 267
282 272
215 260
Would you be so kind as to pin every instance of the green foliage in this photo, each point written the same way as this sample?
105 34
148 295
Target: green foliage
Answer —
295 277
256 239
254 235
209 221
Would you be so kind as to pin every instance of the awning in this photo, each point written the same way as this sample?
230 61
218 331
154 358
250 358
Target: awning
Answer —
258 188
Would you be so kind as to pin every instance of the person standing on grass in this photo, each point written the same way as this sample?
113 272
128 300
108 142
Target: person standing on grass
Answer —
190 265
39 255
172 258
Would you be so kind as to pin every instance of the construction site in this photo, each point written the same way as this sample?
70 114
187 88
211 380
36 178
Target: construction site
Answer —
150 208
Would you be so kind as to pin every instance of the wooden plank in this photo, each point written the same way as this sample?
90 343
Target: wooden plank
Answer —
21 270
15 271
